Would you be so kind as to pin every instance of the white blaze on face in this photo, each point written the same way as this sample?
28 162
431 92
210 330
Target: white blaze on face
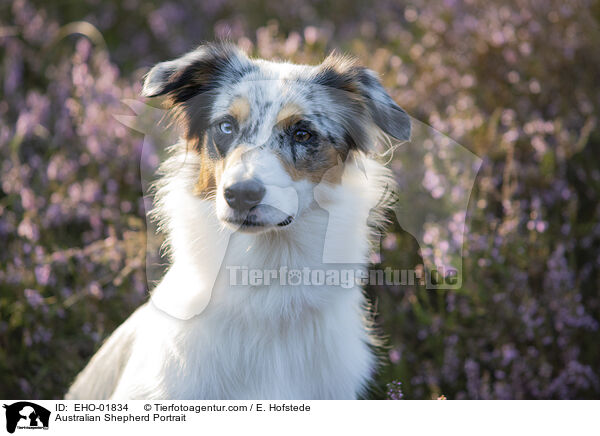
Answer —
287 191
282 193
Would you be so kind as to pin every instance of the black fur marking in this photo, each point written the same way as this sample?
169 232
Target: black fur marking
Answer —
332 79
363 87
222 142
191 83
201 70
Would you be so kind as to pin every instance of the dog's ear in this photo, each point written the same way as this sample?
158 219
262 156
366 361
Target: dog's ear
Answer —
343 73
388 116
198 71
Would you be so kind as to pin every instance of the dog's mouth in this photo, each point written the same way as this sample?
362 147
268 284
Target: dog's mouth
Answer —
252 221
286 222
258 218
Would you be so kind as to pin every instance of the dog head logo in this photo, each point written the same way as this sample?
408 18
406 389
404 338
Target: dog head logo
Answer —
26 415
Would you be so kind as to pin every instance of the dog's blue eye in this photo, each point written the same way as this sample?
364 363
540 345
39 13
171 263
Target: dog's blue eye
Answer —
226 127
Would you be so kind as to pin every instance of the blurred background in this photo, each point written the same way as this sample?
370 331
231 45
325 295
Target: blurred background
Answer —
517 82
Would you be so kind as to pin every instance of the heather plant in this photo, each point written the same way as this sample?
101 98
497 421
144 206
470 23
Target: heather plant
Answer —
514 82
394 390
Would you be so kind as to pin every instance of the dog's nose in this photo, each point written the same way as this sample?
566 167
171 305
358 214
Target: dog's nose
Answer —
244 195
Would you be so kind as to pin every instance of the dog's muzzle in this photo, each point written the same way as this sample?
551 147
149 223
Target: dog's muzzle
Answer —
242 196
249 214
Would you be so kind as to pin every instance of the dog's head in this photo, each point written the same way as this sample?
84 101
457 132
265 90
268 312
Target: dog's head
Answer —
267 133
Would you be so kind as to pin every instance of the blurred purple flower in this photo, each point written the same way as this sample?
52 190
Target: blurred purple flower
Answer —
34 298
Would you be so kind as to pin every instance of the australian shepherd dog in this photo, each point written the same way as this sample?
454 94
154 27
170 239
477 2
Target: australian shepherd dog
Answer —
276 170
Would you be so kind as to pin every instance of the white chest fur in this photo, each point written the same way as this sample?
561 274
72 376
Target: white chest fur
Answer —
228 353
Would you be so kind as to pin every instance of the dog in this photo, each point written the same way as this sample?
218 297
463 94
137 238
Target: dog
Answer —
276 167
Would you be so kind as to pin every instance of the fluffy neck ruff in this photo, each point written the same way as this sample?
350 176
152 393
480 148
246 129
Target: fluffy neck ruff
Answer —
333 232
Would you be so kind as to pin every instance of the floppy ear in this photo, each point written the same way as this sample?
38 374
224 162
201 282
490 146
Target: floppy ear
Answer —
342 73
198 71
167 76
388 116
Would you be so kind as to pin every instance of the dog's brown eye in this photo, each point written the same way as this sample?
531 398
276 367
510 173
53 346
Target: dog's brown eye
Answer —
226 127
301 135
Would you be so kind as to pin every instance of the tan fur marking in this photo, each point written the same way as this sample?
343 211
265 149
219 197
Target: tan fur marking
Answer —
240 109
206 177
209 175
331 171
289 114
333 174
